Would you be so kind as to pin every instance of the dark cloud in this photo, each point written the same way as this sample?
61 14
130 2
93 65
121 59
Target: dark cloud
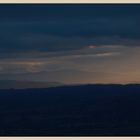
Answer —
67 27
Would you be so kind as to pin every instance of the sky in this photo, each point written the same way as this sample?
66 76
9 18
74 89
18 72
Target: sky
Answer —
70 43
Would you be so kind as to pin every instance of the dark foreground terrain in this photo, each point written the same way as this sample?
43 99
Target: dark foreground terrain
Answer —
87 110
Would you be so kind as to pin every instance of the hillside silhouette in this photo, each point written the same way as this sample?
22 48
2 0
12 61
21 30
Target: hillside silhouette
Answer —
78 110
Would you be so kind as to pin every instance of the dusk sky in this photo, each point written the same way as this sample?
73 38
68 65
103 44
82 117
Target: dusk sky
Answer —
70 43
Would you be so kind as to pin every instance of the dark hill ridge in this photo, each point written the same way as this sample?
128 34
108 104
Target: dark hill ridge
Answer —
80 110
54 86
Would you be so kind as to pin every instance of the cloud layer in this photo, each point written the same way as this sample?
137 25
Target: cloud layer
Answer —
100 41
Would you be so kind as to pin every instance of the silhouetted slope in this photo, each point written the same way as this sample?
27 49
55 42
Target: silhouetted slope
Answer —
89 110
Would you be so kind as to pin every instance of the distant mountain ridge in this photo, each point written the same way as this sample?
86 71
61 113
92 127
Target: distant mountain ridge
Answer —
15 84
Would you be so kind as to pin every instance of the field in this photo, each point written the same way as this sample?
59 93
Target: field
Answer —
86 110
